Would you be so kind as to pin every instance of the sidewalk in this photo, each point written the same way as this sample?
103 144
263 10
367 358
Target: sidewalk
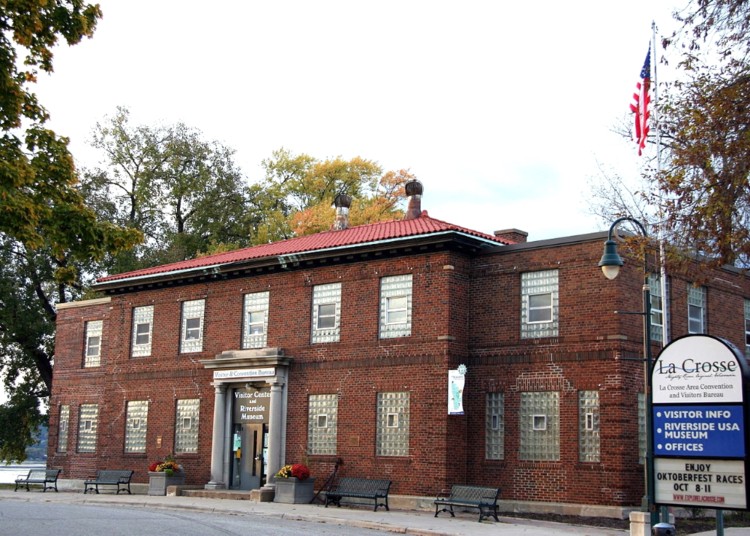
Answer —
395 521
412 522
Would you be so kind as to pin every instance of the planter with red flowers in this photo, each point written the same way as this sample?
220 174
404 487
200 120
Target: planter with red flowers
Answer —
294 485
163 474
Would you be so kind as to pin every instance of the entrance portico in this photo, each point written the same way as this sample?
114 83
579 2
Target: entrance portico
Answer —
260 375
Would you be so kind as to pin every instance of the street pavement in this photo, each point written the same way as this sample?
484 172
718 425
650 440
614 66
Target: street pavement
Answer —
413 522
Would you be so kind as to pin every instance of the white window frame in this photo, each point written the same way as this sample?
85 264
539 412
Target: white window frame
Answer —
696 304
535 284
747 327
186 429
87 427
62 428
322 426
255 313
136 426
392 431
396 300
93 342
324 298
191 339
657 308
494 437
143 326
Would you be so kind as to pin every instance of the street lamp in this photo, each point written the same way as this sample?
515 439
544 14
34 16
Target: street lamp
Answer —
610 264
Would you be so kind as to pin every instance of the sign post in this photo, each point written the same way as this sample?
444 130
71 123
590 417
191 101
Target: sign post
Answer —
700 424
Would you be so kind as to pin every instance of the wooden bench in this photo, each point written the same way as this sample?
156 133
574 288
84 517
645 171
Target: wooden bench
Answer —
485 499
109 477
360 488
46 477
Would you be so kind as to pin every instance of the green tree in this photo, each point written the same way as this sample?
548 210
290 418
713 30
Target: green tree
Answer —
183 193
47 233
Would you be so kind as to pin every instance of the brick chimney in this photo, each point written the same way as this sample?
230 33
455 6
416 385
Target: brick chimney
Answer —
342 202
516 236
414 194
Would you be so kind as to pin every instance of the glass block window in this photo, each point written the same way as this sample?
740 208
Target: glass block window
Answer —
392 424
696 308
540 426
395 306
539 304
136 425
192 326
326 313
641 428
255 311
186 425
657 313
62 429
747 327
494 435
88 422
143 319
93 344
322 423
588 426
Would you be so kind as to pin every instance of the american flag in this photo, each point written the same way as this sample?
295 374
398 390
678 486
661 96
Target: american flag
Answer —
640 103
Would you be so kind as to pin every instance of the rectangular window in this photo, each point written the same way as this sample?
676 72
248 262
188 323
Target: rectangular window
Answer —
322 423
392 424
696 308
143 318
93 344
395 306
657 313
588 426
136 425
539 304
186 426
747 328
540 426
326 313
62 429
494 435
255 320
192 326
88 422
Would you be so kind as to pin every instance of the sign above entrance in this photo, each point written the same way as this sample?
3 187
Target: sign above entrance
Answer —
244 373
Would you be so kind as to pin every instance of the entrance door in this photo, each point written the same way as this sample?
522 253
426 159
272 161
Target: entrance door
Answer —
248 456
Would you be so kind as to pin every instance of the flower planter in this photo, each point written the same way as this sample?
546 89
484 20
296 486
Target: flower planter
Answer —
294 491
159 481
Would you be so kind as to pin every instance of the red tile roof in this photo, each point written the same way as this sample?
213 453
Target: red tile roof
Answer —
362 234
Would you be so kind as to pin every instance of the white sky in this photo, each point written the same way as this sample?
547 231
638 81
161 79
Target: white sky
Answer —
501 109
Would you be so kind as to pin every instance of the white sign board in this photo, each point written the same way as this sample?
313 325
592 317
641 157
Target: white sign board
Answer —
244 373
697 370
701 483
456 382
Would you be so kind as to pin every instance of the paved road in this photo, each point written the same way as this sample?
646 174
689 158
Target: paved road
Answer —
47 519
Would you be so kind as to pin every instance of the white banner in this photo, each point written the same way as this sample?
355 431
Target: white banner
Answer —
455 392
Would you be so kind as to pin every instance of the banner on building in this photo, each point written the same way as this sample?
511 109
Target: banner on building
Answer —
456 379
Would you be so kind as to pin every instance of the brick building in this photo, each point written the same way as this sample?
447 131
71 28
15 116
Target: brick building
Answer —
339 345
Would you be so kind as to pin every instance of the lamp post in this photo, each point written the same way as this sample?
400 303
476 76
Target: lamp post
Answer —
610 264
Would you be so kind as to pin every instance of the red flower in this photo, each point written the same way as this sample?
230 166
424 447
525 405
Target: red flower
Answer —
153 466
300 471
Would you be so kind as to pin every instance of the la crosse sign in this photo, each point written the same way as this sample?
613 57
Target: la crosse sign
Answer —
699 424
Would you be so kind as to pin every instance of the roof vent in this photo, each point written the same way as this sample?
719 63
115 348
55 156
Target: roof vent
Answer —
342 202
414 194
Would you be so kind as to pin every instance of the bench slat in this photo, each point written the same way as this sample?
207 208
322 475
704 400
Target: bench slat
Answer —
39 476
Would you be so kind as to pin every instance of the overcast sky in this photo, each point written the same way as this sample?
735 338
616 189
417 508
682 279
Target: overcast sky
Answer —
501 109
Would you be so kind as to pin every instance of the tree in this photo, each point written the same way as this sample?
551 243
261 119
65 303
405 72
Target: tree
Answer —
699 194
297 194
706 130
183 193
47 233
